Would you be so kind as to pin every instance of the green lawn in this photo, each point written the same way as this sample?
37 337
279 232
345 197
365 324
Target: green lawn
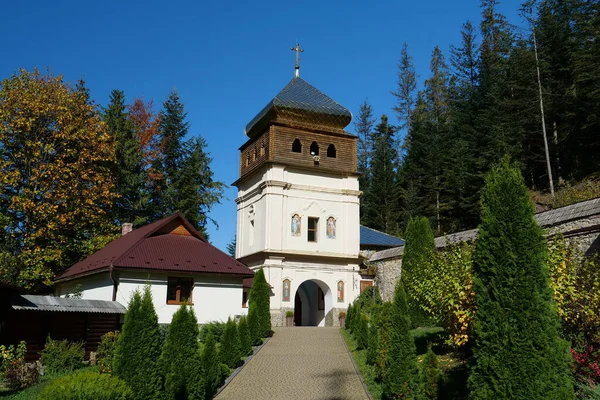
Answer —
31 393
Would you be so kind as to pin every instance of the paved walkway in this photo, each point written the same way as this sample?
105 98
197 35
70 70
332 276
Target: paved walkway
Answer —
298 363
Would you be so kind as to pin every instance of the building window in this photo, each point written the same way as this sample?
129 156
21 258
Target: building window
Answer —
255 154
262 150
247 159
331 153
340 292
286 289
313 225
244 299
314 149
297 146
179 290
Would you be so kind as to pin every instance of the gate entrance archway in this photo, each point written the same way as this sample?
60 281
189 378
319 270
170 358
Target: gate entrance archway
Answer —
313 301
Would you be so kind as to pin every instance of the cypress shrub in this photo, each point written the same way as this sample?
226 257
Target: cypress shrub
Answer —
106 351
181 349
245 340
349 313
400 377
254 327
259 307
362 331
138 348
517 351
373 344
230 345
212 365
356 313
419 249
383 321
430 373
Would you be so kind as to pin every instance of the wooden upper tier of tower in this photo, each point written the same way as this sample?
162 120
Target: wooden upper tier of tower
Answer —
300 127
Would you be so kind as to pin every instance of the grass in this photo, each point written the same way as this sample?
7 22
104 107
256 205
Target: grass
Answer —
31 393
367 371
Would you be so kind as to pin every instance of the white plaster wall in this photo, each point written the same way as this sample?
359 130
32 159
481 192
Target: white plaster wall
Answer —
215 298
308 193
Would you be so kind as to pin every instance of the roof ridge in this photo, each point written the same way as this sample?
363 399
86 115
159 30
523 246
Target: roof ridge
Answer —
383 233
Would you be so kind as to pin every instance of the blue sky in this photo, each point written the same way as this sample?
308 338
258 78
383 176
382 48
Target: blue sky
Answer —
227 59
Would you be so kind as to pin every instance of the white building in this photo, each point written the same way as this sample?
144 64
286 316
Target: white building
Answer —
298 205
177 262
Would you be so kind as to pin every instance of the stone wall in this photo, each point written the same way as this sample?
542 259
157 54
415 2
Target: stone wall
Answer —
331 319
586 242
388 272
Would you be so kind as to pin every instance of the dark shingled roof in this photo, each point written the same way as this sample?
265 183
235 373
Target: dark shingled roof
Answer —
303 104
546 219
51 303
152 248
374 238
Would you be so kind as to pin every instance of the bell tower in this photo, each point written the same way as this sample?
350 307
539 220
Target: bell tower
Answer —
298 204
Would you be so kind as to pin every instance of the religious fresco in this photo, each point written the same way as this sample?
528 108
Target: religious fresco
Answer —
296 225
340 292
286 289
331 228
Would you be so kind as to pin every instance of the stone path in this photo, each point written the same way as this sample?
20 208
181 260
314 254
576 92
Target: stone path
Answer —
298 363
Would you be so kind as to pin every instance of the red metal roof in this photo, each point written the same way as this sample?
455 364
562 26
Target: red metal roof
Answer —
153 248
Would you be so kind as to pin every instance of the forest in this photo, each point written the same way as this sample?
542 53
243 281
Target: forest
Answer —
529 89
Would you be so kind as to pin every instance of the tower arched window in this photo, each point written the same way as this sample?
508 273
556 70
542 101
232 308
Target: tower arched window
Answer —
297 146
331 153
314 149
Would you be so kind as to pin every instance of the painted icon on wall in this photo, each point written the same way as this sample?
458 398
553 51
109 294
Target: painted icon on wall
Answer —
286 290
340 292
331 228
296 225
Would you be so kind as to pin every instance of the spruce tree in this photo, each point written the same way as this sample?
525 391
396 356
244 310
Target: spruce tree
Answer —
401 375
406 91
212 365
181 348
129 175
259 313
230 345
517 352
363 127
138 348
245 338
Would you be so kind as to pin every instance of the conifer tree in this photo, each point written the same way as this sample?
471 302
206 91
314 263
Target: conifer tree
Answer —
212 365
138 348
181 348
245 338
363 127
517 350
383 321
430 374
259 313
362 331
406 91
400 377
130 179
373 344
230 345
349 314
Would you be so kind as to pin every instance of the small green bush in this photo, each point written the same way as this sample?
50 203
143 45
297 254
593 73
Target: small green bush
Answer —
87 385
373 344
212 365
62 355
362 331
14 371
289 314
106 351
430 375
230 345
259 313
349 316
215 327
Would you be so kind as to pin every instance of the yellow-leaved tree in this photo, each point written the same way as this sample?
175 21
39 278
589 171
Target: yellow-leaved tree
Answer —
56 190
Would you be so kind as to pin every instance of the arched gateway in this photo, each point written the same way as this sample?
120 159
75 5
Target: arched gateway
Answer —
298 207
312 302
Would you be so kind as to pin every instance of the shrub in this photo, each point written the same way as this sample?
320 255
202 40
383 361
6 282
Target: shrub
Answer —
259 313
84 385
373 344
362 331
181 349
289 314
349 315
383 319
230 345
368 300
430 374
138 348
14 371
516 328
62 355
106 351
216 327
244 333
212 366
400 376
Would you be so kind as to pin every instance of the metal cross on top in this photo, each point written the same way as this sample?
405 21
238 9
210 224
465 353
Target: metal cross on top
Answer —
298 50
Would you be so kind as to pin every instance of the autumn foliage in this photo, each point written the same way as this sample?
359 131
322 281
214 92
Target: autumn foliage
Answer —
56 188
